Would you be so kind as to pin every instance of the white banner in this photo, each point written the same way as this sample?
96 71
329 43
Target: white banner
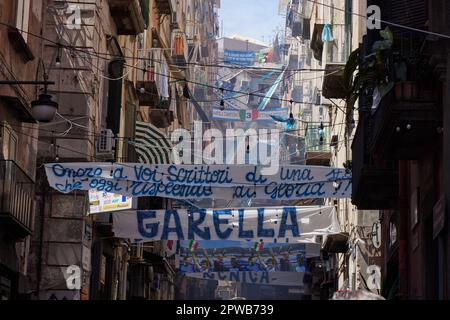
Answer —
201 181
286 224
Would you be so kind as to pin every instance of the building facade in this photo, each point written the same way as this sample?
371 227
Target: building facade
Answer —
115 64
318 41
20 57
401 147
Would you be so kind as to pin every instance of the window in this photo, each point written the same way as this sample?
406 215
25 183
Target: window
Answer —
8 142
22 17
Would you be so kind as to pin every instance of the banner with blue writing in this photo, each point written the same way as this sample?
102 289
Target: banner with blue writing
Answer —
201 181
242 58
269 225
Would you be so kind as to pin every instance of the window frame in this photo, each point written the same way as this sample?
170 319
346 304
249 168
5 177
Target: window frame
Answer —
23 8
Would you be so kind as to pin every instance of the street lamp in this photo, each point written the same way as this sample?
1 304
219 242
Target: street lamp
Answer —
43 109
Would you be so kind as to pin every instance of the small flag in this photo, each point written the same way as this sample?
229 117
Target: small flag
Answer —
193 245
243 115
255 115
258 246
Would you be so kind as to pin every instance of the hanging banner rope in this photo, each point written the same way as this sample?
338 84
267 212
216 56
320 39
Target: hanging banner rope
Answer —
270 225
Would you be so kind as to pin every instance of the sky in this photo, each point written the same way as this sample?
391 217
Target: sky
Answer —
257 19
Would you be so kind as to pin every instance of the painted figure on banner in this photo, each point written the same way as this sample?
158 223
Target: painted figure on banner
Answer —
205 263
301 264
285 265
186 266
271 263
219 265
234 265
252 265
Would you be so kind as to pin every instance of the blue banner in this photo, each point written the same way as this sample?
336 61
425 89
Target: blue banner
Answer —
239 57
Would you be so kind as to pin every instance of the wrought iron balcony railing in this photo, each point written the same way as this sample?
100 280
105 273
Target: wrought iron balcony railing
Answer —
16 198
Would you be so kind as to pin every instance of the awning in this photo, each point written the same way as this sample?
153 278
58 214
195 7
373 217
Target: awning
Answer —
152 146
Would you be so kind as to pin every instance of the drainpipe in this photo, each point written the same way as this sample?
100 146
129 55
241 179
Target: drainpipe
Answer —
44 191
44 188
403 228
446 159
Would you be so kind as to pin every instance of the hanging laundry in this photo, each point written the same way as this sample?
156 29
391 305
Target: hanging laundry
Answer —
327 36
150 71
164 80
179 45
290 124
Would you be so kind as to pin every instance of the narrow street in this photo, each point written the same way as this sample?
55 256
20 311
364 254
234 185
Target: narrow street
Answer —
259 150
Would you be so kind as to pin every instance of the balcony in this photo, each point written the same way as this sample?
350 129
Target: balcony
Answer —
317 145
337 53
405 123
147 80
16 199
374 182
130 16
164 6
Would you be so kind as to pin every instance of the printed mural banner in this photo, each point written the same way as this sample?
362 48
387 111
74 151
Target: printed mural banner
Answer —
201 181
275 225
239 256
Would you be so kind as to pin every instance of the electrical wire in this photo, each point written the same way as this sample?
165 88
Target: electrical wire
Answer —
171 77
112 56
243 93
230 90
124 164
94 134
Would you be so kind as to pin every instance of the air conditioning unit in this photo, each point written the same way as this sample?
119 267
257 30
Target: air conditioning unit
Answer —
106 142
